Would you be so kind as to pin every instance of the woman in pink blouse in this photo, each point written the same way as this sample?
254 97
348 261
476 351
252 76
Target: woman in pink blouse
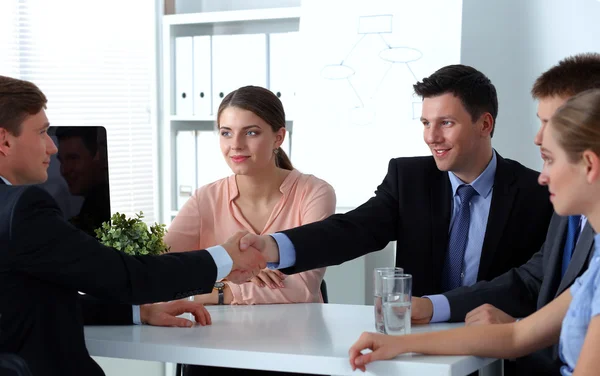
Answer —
264 195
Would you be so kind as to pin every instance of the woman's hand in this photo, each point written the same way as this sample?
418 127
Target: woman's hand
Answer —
383 346
267 277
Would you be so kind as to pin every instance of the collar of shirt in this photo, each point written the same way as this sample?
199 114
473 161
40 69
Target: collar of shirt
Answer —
582 223
6 181
484 182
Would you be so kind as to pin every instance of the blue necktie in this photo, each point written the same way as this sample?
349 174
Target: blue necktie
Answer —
459 234
570 241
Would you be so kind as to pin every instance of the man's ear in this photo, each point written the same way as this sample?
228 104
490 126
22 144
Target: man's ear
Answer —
5 141
591 163
487 124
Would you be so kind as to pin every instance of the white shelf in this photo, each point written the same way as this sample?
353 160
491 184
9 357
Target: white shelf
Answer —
232 16
191 118
253 21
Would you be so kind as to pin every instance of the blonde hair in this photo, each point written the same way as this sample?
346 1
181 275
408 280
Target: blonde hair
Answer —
576 124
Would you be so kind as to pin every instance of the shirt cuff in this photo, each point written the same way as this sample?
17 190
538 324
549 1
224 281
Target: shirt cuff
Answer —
441 308
287 252
222 260
137 320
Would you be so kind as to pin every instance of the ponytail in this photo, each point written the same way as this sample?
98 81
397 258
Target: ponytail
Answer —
282 160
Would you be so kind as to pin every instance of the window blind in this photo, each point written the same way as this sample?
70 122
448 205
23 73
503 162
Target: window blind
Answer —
94 60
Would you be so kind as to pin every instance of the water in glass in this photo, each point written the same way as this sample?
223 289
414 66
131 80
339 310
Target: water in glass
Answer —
377 273
379 325
397 316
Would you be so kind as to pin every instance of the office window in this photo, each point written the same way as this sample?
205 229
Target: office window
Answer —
95 61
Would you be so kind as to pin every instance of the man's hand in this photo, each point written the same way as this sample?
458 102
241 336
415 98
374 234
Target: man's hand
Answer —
247 264
165 314
422 311
272 278
264 243
487 314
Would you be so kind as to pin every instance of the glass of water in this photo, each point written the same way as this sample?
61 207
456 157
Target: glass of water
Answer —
377 293
396 296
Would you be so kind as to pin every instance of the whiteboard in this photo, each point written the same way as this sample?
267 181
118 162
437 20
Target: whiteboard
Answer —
356 107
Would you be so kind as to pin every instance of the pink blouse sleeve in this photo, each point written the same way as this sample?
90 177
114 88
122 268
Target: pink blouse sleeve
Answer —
302 287
184 233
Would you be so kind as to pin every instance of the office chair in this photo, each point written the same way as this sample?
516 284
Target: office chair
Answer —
13 363
324 291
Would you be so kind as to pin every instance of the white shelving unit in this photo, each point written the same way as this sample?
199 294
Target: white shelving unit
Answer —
222 23
245 16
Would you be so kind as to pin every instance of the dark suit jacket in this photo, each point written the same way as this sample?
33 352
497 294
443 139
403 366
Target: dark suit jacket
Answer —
412 206
523 290
44 262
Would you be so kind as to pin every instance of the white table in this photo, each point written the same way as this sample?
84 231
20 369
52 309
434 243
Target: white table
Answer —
307 338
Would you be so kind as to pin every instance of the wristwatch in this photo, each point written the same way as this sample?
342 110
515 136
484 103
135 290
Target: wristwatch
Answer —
219 286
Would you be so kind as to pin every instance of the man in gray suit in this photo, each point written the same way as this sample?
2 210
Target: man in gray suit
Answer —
563 257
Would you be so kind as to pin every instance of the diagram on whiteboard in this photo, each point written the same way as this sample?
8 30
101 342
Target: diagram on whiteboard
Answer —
398 57
358 62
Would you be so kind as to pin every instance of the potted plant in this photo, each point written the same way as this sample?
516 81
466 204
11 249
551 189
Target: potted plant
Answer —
132 235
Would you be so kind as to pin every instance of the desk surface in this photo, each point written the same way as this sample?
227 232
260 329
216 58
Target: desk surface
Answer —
307 338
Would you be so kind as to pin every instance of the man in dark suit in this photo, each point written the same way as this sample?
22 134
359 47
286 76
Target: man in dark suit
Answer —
523 290
45 261
420 204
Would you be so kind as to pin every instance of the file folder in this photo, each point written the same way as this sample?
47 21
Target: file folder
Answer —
283 68
202 73
183 76
186 166
238 60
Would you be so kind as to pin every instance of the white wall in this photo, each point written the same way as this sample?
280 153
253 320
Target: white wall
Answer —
513 42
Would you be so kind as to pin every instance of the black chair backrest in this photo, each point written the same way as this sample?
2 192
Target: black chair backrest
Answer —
324 291
13 365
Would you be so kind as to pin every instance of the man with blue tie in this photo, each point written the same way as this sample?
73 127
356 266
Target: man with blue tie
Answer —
563 257
462 215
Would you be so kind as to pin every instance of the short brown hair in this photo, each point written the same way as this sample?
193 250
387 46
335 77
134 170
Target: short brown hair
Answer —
576 124
570 76
264 104
472 87
18 99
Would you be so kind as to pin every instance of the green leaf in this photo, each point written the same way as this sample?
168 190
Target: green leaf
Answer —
132 235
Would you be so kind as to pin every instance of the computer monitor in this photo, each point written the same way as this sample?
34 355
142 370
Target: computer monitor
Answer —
78 175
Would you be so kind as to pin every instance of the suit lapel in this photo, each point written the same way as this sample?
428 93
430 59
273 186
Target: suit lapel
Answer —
579 260
440 206
503 197
552 272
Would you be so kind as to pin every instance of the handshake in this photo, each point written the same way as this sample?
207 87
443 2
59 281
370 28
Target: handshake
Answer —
250 254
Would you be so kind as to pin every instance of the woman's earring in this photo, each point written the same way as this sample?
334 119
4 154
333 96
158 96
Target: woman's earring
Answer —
275 151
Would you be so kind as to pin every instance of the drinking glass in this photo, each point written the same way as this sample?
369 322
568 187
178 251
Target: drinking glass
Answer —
377 273
396 294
